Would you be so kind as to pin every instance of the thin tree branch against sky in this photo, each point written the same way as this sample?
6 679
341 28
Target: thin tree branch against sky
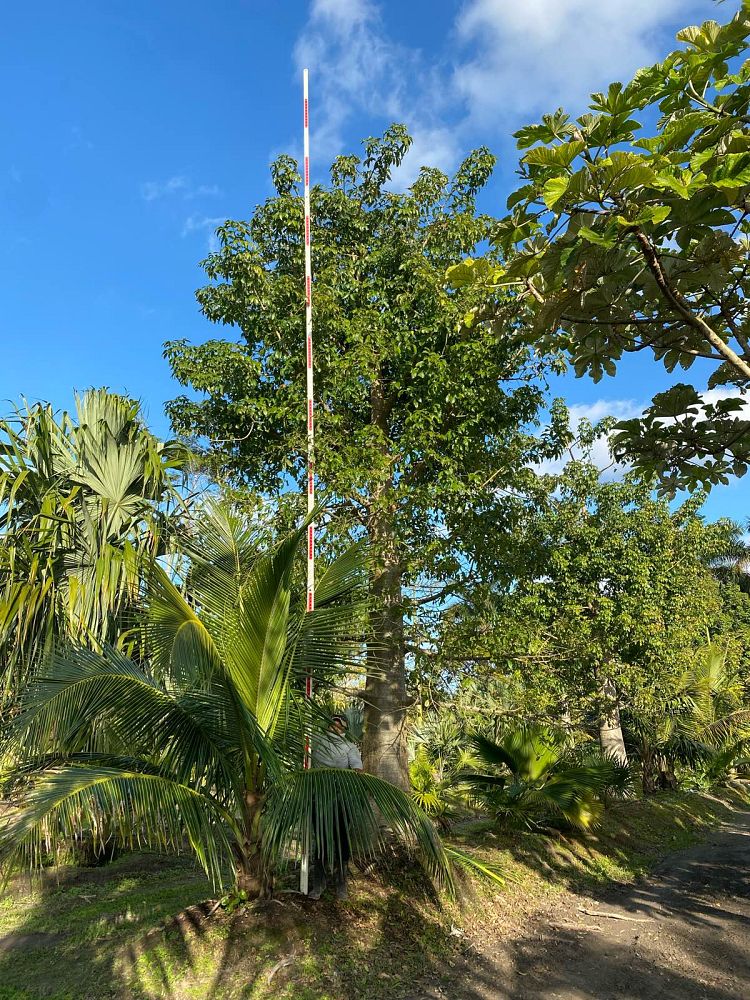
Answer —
132 132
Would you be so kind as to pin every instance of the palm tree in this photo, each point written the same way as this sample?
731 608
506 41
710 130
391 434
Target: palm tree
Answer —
202 740
703 723
531 776
438 754
732 565
83 507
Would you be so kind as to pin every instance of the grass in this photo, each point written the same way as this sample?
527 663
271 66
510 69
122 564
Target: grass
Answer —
134 929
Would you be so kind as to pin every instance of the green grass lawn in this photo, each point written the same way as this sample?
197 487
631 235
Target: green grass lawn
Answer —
111 931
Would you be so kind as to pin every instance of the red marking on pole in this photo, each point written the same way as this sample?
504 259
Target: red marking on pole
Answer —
307 171
308 290
306 118
309 414
309 352
307 230
310 544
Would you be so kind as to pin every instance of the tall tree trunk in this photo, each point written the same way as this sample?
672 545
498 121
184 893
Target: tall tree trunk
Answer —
384 743
610 731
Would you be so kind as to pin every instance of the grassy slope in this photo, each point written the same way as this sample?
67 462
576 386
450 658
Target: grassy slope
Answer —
99 933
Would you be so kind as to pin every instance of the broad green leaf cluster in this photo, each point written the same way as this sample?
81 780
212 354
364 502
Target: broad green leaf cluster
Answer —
629 233
200 744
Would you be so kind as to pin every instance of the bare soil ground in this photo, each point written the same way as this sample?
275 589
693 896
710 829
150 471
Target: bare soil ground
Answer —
682 933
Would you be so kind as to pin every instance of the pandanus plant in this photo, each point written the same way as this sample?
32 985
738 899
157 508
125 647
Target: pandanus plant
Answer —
199 739
531 776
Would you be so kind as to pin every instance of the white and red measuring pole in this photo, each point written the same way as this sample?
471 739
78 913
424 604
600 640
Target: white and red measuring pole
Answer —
305 868
309 359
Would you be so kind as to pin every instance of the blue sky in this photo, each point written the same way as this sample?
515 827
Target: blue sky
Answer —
131 130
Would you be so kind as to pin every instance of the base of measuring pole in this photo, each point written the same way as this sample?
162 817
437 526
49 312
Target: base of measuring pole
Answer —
304 875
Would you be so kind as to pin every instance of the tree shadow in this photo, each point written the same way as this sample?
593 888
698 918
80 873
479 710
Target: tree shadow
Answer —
112 932
682 932
68 932
581 862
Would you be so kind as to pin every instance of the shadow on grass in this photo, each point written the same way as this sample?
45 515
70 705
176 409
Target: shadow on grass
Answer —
64 933
111 932
635 833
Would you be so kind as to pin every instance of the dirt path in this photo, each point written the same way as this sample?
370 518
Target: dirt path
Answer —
681 934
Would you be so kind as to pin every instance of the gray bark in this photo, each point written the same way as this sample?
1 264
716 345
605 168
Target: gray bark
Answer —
384 748
610 731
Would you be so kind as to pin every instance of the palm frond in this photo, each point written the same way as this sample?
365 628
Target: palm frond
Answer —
312 807
471 863
491 754
141 809
345 575
194 733
180 647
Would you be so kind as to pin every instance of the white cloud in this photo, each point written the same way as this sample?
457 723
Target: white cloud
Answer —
344 14
180 186
356 69
523 58
599 454
502 63
206 225
431 147
714 395
622 409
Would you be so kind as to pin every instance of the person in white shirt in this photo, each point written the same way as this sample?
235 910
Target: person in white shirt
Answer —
334 750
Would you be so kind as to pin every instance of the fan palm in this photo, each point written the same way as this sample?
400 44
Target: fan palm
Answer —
530 776
201 742
438 754
81 510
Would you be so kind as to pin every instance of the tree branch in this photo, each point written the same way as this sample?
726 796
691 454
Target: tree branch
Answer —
682 307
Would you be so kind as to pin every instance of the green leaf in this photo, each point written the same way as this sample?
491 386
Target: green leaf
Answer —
471 272
604 239
554 189
308 806
647 215
561 155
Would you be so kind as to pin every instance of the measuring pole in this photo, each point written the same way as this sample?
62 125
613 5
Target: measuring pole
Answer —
305 868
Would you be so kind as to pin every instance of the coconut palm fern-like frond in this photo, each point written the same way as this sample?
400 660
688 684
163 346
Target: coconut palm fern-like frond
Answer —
531 777
200 745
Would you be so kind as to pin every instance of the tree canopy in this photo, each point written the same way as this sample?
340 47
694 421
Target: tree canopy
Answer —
600 582
416 412
629 233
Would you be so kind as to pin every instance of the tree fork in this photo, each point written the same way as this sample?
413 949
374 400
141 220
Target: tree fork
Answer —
682 307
